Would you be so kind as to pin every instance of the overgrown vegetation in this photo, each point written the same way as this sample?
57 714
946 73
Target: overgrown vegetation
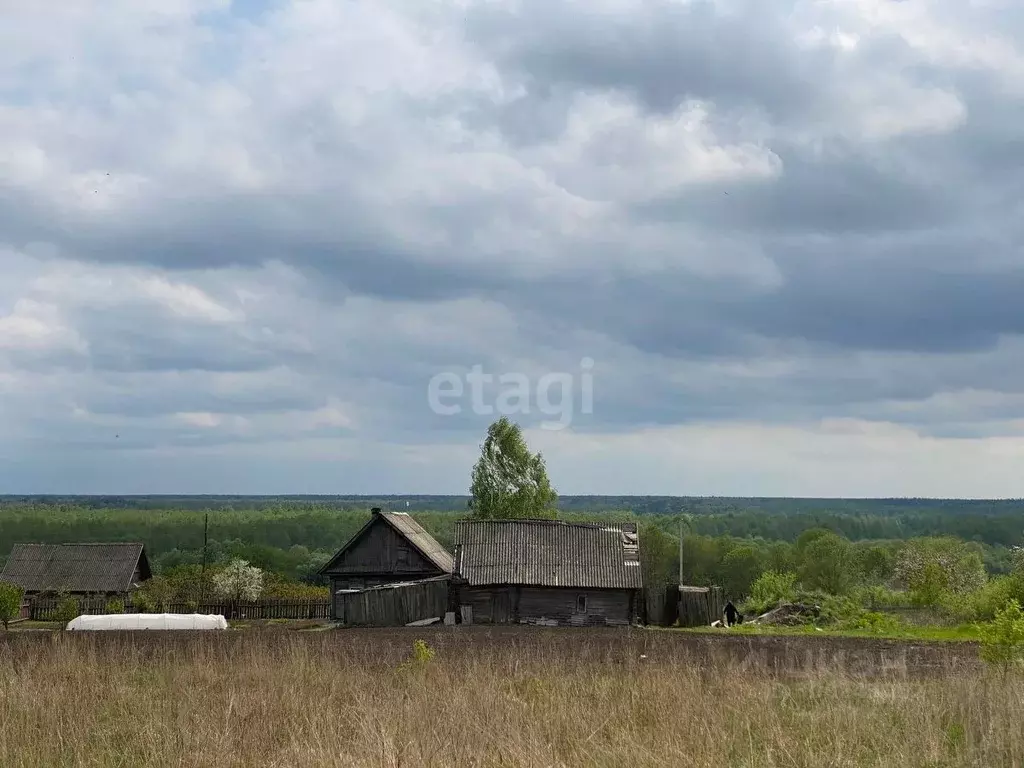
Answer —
10 602
587 698
1002 640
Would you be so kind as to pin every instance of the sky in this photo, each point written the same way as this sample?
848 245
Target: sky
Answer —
700 247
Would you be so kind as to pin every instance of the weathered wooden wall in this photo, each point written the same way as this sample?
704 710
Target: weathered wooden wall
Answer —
393 605
551 605
699 606
381 551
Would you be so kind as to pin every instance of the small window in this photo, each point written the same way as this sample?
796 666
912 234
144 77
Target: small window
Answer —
581 604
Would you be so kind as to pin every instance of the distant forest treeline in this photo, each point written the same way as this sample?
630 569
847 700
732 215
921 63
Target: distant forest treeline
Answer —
999 522
726 541
639 505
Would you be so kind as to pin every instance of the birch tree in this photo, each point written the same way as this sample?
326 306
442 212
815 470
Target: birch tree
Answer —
509 481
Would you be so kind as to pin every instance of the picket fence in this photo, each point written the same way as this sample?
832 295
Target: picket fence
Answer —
47 609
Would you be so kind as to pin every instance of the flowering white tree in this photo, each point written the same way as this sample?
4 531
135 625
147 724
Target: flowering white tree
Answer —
239 581
931 566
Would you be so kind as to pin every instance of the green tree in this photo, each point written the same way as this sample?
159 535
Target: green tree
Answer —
741 566
157 593
659 556
509 481
828 563
10 602
876 563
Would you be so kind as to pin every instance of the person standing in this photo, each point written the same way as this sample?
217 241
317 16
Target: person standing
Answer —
730 614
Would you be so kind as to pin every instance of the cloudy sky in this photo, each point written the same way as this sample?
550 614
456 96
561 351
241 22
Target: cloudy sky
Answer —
239 239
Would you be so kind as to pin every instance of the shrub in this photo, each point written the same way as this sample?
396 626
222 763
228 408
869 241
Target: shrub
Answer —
875 597
1002 639
873 622
421 652
770 589
115 606
143 603
67 609
982 604
10 602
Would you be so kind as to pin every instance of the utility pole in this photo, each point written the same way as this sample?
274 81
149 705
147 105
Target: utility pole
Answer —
202 575
680 550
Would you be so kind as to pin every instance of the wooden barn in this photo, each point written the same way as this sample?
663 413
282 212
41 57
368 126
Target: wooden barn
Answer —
548 572
391 548
112 570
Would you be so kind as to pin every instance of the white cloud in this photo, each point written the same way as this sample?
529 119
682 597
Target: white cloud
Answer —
35 325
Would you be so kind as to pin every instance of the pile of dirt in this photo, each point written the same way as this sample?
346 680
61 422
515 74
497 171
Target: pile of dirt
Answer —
789 614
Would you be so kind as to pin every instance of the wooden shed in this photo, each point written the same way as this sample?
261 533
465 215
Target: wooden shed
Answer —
548 572
393 605
111 569
391 548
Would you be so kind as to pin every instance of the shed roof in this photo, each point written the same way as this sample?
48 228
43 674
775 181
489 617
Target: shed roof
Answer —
405 526
549 553
85 567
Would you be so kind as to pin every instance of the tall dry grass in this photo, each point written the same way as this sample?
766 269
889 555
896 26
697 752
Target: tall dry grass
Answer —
289 699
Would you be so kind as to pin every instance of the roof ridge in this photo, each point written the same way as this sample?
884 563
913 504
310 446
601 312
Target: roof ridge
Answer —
80 544
536 520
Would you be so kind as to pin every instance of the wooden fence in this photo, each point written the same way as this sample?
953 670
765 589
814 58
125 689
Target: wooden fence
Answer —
47 609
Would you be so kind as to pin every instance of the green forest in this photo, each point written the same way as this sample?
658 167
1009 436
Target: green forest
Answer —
956 557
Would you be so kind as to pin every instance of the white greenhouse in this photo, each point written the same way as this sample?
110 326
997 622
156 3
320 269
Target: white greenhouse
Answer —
133 621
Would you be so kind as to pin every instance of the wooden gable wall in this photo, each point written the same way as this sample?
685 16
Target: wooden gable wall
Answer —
381 551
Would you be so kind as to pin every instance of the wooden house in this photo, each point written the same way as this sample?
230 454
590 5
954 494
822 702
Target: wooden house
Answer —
548 572
112 570
391 548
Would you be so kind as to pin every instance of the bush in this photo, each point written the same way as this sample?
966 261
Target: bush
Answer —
982 604
838 608
875 597
67 609
10 602
1002 639
873 622
770 589
420 658
115 606
143 603
421 652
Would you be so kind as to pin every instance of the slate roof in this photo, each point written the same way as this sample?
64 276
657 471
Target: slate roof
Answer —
76 567
548 553
406 527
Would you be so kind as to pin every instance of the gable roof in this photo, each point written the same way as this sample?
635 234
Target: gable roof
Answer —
405 526
548 553
76 567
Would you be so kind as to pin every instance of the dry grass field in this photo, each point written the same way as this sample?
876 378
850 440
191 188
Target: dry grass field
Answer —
513 698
